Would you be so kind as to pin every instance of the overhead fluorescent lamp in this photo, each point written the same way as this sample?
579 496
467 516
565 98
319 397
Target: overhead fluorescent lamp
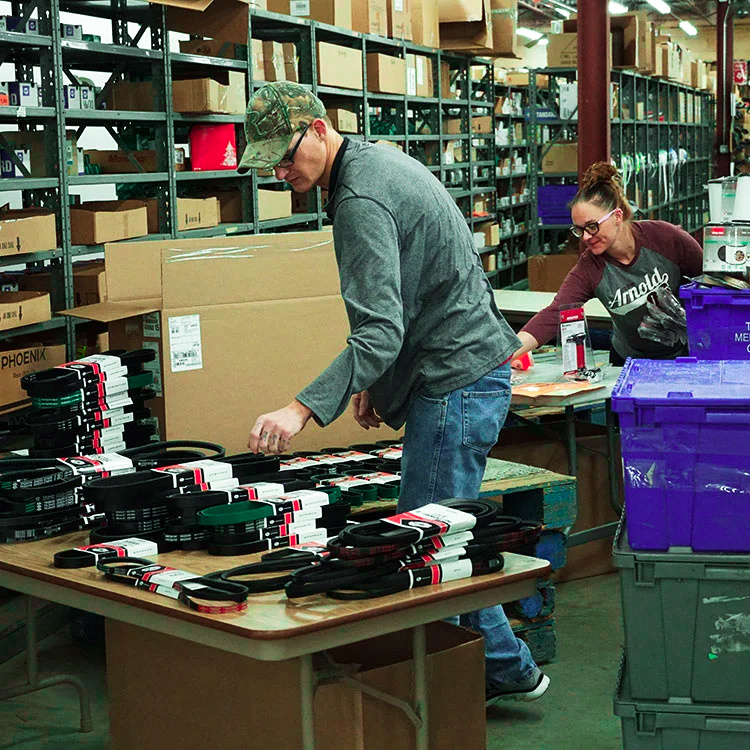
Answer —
617 9
659 5
543 42
688 28
563 12
529 33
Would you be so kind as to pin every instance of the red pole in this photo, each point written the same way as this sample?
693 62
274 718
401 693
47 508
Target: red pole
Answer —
724 80
594 60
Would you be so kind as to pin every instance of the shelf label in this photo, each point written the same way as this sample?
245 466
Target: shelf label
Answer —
185 343
299 8
21 112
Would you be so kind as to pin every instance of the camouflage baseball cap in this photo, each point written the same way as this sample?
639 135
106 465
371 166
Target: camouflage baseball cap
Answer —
274 114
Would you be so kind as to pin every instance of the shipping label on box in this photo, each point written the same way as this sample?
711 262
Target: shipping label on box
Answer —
23 94
15 363
185 350
8 168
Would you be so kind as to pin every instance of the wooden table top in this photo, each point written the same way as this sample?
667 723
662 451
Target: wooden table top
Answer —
520 302
269 616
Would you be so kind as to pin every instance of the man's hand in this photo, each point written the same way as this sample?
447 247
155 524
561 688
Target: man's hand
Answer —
273 432
364 412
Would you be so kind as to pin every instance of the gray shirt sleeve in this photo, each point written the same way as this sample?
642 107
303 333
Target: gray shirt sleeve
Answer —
367 250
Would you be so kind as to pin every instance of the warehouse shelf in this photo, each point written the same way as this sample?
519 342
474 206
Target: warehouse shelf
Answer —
25 40
118 179
113 115
11 114
288 221
95 49
47 325
21 258
189 118
184 58
28 183
491 274
335 91
219 174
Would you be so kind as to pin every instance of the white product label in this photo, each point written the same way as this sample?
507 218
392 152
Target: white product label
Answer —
330 459
420 71
452 541
312 535
154 367
306 516
224 484
117 417
170 577
307 496
266 489
428 515
398 6
411 82
111 462
210 471
453 571
152 325
300 462
299 7
105 361
185 343
299 527
131 547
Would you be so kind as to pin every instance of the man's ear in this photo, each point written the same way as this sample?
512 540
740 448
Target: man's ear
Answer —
320 127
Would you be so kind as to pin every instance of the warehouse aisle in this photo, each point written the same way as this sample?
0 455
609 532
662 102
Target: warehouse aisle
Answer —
576 712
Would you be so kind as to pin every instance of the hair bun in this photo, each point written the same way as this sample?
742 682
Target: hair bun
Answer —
601 172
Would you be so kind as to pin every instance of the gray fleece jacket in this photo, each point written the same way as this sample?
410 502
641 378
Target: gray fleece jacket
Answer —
422 314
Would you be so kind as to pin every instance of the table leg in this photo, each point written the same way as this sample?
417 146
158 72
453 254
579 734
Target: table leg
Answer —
420 686
307 676
570 431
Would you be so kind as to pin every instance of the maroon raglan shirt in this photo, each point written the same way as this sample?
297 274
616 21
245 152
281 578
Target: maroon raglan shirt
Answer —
664 254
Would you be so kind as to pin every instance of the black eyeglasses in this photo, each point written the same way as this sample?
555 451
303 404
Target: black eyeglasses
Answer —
592 227
288 159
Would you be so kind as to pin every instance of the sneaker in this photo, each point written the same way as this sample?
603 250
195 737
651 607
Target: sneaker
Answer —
528 690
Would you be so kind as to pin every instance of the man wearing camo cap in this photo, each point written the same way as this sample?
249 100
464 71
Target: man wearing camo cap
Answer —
428 347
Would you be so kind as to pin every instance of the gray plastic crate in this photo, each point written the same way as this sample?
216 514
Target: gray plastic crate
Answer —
687 624
652 725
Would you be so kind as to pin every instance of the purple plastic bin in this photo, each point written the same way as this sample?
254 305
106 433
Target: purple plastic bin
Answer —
553 200
685 434
718 322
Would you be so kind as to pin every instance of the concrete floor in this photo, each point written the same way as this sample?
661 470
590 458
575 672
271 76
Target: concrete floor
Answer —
575 714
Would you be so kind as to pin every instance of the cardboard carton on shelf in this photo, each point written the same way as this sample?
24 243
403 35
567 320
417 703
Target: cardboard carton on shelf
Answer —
425 23
447 81
482 125
522 78
419 77
339 66
399 19
96 222
222 93
333 12
192 213
504 15
370 17
35 142
561 157
547 272
289 51
17 360
386 74
490 234
562 51
23 309
453 126
117 162
466 26
274 204
343 120
215 19
273 61
27 230
257 60
213 147
281 294
214 48
230 206
89 283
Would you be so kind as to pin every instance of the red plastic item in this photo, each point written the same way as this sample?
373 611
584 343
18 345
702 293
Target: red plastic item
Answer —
213 147
524 362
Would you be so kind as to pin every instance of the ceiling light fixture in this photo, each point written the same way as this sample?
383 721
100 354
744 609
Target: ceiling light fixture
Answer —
617 9
688 28
543 42
564 13
659 5
529 33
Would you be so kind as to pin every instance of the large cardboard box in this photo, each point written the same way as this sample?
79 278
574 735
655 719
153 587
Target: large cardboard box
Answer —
386 74
561 157
289 50
547 272
343 120
466 26
89 283
27 230
23 309
399 20
370 17
339 66
274 204
95 222
192 213
217 19
214 48
425 23
257 60
255 319
230 206
15 362
273 61
562 51
117 162
35 142
482 125
625 49
419 76
504 22
334 12
223 93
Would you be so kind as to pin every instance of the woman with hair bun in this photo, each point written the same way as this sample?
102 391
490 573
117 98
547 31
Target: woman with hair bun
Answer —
621 262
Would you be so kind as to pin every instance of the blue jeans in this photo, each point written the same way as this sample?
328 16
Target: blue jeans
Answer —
446 443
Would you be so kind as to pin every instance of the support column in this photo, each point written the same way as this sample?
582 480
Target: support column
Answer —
594 62
724 79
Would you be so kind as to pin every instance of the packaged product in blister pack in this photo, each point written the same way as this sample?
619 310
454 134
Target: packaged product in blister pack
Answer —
574 345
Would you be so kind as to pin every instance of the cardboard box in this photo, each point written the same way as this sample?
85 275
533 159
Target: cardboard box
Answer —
87 97
72 32
504 15
466 26
624 49
89 283
223 93
282 294
561 157
95 222
348 718
490 234
453 126
27 230
521 78
562 51
23 94
289 50
8 167
370 17
386 74
274 204
192 213
117 162
230 206
71 97
214 48
23 309
482 125
213 147
419 78
425 23
15 362
35 142
273 61
547 272
257 60
399 21
215 19
343 120
339 66
569 100
447 83
333 12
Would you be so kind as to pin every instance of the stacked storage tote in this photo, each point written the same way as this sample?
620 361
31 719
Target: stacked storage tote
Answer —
683 554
